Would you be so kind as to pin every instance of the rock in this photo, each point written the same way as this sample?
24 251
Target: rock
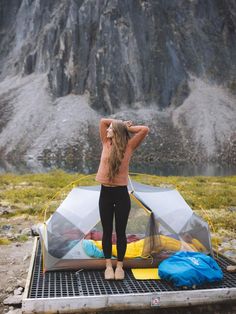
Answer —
11 279
224 246
13 300
18 244
26 231
225 239
18 291
15 311
107 44
24 184
4 210
9 289
233 243
10 236
26 257
231 268
230 254
21 282
34 229
162 185
232 209
6 227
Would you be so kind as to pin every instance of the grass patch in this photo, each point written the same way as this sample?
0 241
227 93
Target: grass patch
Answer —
22 238
209 197
206 192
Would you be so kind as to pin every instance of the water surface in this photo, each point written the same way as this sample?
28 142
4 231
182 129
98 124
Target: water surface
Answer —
160 169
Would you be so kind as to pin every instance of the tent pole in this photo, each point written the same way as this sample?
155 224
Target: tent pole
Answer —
210 224
131 184
139 203
43 246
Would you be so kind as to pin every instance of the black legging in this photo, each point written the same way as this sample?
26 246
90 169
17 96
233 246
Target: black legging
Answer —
114 200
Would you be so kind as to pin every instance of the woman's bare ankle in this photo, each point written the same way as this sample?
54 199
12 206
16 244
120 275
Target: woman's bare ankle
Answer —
108 262
119 264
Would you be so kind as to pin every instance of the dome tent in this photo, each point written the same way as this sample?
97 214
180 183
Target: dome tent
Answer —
160 221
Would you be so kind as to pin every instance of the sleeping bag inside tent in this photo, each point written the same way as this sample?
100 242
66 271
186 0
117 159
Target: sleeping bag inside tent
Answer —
160 224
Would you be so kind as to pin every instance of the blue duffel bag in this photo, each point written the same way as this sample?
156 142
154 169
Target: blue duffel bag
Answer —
190 269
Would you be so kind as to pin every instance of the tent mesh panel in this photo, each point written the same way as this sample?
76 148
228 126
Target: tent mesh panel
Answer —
87 283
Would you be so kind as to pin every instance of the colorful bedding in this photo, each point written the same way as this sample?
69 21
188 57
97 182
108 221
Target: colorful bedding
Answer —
135 249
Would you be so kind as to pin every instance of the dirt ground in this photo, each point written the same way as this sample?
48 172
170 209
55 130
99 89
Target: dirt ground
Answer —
14 257
14 264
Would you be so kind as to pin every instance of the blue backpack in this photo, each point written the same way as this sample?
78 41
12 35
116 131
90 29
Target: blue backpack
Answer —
190 269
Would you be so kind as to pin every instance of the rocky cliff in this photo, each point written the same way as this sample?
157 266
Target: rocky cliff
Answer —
169 64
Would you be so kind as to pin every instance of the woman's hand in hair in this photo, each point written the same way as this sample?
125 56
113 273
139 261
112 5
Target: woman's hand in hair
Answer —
128 123
140 132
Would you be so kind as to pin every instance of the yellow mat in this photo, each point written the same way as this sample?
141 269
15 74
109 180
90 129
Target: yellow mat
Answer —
145 273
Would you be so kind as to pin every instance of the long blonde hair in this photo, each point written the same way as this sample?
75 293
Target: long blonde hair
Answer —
120 140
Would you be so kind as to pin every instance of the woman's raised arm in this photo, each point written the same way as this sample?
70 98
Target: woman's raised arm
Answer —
104 124
140 132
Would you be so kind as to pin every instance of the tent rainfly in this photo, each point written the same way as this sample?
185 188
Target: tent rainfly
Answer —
160 224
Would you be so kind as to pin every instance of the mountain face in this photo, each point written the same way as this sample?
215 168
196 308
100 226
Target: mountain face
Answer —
169 64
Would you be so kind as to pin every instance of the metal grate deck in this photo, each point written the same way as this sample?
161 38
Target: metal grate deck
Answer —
56 284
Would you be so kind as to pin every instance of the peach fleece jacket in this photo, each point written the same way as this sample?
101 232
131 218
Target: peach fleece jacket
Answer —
121 178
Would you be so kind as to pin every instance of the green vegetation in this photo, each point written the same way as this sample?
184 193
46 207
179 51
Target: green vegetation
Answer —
22 238
30 193
210 197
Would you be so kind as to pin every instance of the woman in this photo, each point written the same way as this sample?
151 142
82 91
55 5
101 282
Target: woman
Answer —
118 147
